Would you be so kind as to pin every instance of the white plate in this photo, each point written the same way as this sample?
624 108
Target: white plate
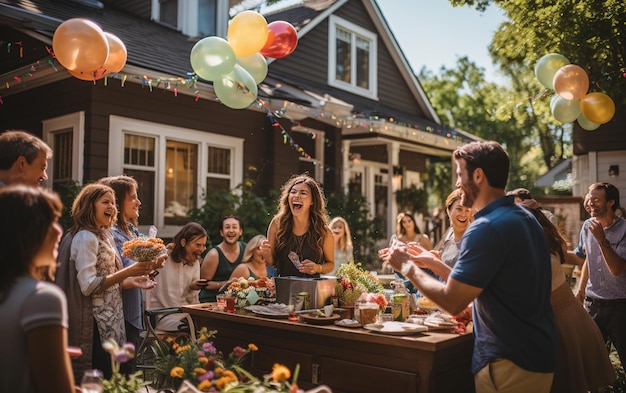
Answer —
275 310
395 328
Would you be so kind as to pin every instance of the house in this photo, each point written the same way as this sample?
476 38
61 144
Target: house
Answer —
345 106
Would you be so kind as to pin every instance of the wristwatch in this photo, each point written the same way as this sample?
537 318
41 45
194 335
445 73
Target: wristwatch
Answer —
606 242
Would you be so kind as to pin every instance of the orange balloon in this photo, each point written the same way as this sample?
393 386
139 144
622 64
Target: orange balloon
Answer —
117 54
571 82
597 107
89 76
80 45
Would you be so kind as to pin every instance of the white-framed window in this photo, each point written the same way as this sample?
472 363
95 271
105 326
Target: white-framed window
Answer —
65 135
352 58
195 18
174 167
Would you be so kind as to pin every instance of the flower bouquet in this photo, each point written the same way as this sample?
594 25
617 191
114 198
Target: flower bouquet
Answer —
249 291
352 281
143 249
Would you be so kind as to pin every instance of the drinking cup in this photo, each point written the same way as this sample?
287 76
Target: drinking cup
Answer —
221 302
230 304
328 310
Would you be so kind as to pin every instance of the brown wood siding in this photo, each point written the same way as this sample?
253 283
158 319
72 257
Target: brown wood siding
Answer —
609 136
264 149
309 63
141 8
412 161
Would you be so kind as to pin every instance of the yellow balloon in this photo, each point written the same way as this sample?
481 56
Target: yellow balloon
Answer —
247 33
597 107
80 45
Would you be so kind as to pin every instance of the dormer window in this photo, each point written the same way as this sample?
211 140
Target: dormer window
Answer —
195 18
352 60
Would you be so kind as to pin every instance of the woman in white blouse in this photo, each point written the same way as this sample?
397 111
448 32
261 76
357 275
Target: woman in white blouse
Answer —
95 269
179 281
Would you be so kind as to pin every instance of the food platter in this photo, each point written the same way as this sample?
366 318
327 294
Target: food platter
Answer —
275 310
348 323
314 319
395 328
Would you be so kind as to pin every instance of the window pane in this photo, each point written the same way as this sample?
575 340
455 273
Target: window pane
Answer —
363 63
62 157
380 195
355 184
146 194
169 12
139 150
219 160
207 18
180 181
214 184
343 55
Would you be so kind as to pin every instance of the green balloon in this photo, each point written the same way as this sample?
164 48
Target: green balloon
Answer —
256 65
212 58
547 66
586 124
236 90
565 111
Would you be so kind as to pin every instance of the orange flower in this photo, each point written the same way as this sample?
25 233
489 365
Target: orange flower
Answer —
204 386
221 382
203 359
177 372
199 370
253 347
280 373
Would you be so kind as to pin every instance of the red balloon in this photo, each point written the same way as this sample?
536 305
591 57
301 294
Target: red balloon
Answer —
281 40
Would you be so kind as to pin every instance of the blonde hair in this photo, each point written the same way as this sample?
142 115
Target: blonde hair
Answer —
345 242
253 244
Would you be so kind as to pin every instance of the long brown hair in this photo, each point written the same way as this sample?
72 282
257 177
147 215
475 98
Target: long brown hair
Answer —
122 185
555 241
35 209
84 208
318 217
188 232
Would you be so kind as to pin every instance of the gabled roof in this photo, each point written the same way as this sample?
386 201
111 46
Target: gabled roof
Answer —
305 16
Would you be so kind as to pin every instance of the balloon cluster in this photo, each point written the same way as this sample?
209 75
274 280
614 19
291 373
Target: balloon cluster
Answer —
237 65
571 101
87 52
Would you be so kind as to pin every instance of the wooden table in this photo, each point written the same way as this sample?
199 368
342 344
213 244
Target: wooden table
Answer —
346 359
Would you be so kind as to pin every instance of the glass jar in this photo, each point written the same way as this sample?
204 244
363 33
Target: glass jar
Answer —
92 382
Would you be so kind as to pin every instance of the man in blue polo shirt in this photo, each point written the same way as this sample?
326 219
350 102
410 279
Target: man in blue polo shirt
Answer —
504 268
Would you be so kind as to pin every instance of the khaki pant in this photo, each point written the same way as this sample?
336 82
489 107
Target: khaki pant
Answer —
504 376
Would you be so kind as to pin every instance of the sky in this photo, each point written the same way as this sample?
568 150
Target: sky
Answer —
433 33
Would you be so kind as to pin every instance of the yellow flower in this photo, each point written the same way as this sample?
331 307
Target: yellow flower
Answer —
199 370
253 347
280 373
204 386
177 372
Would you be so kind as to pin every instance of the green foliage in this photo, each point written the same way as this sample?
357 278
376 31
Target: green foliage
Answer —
365 230
412 199
254 210
67 192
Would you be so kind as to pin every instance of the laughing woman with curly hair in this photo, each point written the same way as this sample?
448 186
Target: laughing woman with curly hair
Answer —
300 242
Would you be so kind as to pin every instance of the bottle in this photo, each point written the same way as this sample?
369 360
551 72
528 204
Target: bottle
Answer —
92 382
400 301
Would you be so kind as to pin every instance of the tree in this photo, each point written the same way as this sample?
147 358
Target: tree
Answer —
466 101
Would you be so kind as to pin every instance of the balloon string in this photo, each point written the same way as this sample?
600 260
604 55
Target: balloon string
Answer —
287 139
